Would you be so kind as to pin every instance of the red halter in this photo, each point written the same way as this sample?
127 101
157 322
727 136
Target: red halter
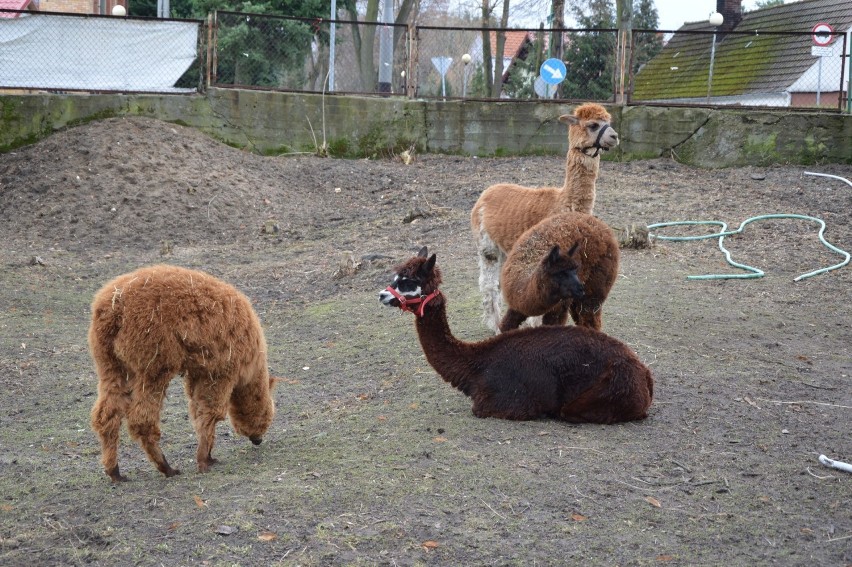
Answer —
414 305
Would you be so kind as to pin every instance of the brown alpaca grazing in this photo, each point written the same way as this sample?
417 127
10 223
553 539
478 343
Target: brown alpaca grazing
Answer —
532 286
505 210
157 322
572 373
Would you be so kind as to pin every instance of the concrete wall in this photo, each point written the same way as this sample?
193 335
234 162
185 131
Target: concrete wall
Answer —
349 126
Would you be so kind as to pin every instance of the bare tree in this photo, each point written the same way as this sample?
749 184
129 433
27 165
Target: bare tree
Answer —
624 19
364 37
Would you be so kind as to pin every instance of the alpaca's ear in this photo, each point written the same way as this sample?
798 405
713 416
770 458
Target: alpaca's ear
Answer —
569 119
573 249
423 252
553 256
430 263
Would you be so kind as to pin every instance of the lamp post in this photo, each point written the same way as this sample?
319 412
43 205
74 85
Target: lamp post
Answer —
466 61
716 19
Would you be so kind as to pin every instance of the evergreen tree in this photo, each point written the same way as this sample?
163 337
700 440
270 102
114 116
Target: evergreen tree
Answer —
265 51
646 46
590 56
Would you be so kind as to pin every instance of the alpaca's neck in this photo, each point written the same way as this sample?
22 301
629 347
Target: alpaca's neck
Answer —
581 173
528 286
453 359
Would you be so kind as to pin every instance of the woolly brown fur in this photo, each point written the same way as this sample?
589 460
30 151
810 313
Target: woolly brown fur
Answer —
573 373
521 279
157 322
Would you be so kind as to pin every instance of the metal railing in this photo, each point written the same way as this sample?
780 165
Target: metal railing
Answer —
242 50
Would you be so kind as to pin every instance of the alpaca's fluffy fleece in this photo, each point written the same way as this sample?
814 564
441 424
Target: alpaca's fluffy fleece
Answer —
157 322
597 254
571 373
505 210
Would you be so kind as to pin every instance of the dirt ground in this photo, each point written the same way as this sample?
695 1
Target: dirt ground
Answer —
372 459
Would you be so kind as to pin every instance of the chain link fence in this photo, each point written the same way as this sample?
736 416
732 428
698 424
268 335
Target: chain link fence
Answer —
64 52
454 63
295 54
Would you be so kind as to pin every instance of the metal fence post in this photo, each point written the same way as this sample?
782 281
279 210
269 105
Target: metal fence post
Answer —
411 71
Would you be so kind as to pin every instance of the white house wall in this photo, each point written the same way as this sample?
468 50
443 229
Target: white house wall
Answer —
828 78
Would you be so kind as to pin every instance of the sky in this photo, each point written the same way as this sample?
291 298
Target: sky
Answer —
673 13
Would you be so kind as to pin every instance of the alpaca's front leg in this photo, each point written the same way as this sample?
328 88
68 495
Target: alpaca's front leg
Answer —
588 314
208 403
206 439
511 320
558 315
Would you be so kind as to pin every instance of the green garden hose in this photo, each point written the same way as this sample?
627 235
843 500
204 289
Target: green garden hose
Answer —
754 272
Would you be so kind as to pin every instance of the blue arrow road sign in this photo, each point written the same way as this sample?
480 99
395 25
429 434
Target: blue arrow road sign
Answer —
553 71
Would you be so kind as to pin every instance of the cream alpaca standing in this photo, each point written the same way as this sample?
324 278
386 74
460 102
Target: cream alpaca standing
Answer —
505 210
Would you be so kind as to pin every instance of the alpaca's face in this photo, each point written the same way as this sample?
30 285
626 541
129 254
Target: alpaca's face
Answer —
405 286
561 270
414 279
590 130
599 134
254 421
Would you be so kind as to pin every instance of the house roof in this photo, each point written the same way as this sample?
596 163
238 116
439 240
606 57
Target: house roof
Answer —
514 42
748 60
12 5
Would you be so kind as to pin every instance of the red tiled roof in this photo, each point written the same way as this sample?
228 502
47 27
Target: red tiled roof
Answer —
12 5
514 41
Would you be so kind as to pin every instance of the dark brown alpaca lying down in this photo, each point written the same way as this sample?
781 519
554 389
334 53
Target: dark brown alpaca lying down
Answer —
572 373
157 322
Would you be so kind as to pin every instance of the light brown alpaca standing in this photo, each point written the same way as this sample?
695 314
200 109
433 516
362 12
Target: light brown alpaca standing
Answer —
157 322
531 288
505 210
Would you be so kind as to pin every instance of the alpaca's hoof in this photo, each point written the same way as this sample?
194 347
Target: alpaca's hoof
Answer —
256 440
204 466
170 472
116 476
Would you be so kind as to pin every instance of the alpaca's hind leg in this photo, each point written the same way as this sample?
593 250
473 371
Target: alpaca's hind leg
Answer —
490 263
108 412
143 421
208 402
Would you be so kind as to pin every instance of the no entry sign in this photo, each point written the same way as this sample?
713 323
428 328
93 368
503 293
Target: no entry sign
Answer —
823 34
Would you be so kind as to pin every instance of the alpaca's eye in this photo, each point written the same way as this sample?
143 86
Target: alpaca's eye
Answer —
593 126
406 284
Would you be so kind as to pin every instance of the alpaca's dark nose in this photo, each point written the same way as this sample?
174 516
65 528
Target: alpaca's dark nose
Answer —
256 440
576 289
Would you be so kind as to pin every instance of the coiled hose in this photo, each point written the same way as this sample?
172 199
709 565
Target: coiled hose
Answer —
723 232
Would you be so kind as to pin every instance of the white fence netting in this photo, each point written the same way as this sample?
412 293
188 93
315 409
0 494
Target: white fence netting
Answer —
67 53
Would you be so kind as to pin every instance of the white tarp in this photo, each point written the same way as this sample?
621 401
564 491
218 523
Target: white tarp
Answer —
115 54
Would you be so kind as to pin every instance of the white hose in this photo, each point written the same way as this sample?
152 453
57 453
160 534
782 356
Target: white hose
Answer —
839 465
